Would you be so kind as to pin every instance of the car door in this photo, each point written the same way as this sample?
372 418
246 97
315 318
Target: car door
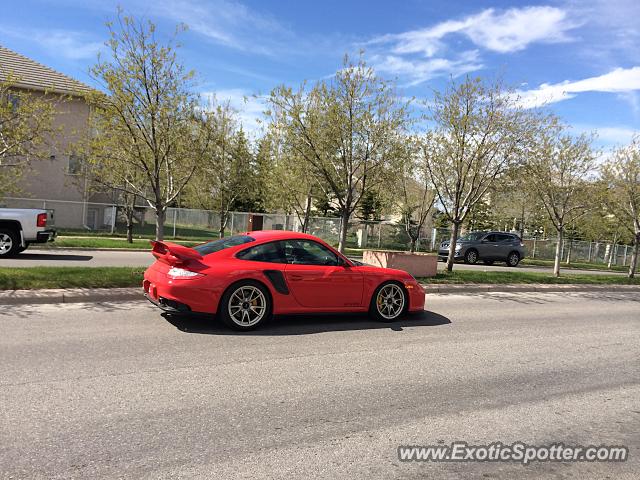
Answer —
318 278
504 245
487 247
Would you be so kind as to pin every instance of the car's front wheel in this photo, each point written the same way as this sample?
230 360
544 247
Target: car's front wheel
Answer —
388 303
245 305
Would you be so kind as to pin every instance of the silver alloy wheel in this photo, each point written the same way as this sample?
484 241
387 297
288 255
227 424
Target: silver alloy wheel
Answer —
390 301
6 243
472 256
247 306
513 259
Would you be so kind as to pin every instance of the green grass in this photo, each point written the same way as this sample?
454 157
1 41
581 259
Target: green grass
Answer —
97 242
499 278
105 277
576 265
69 277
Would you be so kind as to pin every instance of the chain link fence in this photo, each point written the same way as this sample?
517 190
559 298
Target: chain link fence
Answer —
183 223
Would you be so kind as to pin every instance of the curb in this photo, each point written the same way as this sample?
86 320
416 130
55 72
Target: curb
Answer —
70 295
96 295
533 287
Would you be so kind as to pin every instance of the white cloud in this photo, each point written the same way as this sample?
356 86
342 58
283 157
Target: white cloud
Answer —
249 107
68 44
619 81
420 70
503 32
228 23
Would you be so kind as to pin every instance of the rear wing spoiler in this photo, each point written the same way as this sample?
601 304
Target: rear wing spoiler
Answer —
172 253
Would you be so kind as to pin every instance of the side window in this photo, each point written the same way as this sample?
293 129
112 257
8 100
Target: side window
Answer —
307 252
490 238
266 252
502 238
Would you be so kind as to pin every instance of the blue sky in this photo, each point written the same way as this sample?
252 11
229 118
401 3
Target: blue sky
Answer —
580 58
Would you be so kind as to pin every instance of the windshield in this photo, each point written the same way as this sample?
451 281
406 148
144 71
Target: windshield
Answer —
217 245
471 237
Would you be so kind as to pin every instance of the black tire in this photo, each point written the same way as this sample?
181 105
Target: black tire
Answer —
488 262
471 256
22 249
230 299
380 313
513 259
9 243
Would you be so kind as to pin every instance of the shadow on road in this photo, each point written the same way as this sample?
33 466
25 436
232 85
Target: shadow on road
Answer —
53 256
305 324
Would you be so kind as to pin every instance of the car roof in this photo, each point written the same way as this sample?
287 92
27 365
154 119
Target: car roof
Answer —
265 235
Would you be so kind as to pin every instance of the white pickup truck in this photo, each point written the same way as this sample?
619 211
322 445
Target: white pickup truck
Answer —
20 227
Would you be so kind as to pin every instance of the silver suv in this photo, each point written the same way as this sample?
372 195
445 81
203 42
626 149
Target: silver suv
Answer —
486 246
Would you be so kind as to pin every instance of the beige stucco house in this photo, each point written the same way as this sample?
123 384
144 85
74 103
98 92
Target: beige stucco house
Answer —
56 178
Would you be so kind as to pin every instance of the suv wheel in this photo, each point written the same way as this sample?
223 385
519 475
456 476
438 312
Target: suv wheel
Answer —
471 256
9 243
513 259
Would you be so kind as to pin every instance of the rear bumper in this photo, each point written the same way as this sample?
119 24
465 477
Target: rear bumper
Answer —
178 296
45 236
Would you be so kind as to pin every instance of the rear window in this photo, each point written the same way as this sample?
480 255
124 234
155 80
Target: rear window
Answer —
228 242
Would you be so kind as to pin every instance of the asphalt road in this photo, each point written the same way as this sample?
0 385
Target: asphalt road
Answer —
100 258
119 391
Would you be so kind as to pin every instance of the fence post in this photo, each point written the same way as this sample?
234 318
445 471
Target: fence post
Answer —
589 256
533 253
379 234
232 219
624 262
175 216
114 212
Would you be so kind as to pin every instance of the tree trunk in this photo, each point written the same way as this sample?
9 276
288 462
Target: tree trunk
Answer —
452 245
307 213
344 226
556 263
412 245
223 223
569 252
634 257
161 214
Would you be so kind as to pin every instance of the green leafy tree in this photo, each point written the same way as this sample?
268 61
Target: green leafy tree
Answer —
558 166
621 173
478 131
26 131
145 125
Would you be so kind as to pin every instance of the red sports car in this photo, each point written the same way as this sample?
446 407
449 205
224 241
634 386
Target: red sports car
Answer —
247 278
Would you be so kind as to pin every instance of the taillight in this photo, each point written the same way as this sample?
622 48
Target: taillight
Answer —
42 220
177 272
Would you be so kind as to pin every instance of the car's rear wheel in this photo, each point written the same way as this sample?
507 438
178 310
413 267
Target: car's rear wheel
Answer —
471 256
513 259
9 243
245 305
388 303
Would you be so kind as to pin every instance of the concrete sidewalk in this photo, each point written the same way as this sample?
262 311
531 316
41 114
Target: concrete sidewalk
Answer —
96 295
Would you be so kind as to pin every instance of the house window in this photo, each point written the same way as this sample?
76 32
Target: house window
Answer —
75 165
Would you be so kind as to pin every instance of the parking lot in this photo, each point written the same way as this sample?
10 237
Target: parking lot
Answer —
118 390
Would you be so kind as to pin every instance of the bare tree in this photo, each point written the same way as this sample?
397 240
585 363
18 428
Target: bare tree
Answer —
478 131
621 174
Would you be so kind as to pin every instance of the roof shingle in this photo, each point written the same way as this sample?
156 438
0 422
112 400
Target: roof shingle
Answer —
35 76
